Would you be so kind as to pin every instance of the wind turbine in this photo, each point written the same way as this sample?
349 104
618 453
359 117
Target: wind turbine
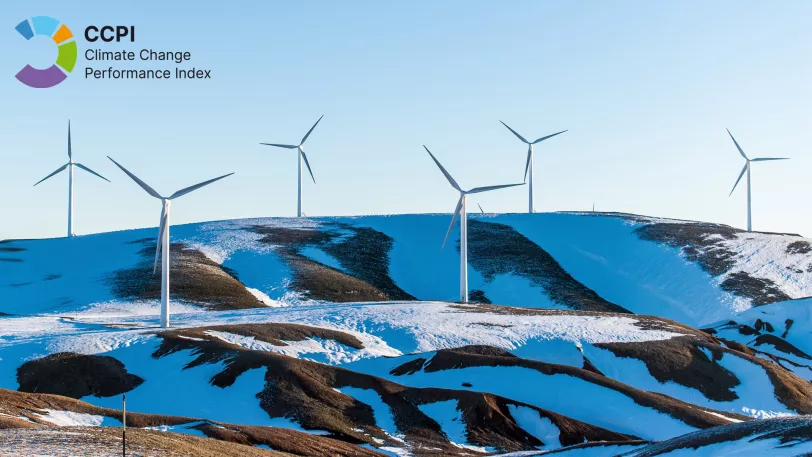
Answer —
746 169
529 166
463 215
301 155
69 166
162 244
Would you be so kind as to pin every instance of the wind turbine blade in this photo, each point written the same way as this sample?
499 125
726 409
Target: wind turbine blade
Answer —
310 131
737 145
304 156
90 171
477 190
480 208
70 151
143 185
453 220
57 171
548 136
185 191
447 175
515 133
527 167
737 181
764 159
161 229
286 146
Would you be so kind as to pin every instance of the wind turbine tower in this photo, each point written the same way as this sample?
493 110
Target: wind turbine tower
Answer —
301 156
461 212
69 166
529 166
162 244
747 167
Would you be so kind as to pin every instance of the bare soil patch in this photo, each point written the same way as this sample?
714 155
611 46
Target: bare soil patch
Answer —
455 359
305 392
362 252
76 376
703 243
194 278
498 249
788 431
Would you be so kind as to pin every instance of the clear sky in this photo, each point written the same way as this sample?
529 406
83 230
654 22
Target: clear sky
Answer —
646 89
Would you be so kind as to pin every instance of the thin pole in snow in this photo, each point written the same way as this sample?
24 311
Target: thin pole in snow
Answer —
124 425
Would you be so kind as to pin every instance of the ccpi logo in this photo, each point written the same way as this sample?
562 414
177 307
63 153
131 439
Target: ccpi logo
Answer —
65 60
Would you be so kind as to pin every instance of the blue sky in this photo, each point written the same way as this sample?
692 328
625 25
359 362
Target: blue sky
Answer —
645 88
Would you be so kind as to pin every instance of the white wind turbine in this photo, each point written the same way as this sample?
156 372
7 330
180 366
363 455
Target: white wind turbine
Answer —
302 156
529 166
746 169
70 166
463 215
162 244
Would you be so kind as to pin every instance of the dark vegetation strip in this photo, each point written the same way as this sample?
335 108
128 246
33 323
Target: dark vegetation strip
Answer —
304 392
483 356
788 432
498 249
76 376
281 440
277 333
362 252
703 243
194 278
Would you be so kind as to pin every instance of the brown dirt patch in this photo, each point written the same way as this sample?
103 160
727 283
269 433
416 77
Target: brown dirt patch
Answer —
27 405
799 247
362 252
454 359
105 441
788 431
194 278
780 344
680 360
76 376
289 442
304 392
275 333
497 249
703 243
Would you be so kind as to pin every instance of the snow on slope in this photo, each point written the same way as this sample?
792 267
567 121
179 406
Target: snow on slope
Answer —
781 331
61 298
602 252
388 330
788 437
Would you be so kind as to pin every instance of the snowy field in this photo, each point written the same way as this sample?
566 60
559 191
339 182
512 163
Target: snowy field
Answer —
544 362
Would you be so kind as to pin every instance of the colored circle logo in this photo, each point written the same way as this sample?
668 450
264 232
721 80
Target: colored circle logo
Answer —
65 60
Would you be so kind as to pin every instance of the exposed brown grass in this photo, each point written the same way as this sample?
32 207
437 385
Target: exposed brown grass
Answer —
449 359
194 278
497 249
105 441
16 407
305 392
787 431
703 243
276 333
362 252
681 360
76 376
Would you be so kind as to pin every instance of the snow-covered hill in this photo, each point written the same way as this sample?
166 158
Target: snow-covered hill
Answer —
693 273
337 328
